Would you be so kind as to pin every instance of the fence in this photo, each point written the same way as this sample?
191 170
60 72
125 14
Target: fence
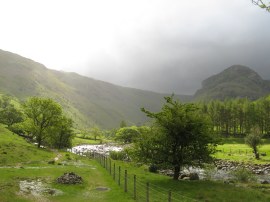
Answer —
140 190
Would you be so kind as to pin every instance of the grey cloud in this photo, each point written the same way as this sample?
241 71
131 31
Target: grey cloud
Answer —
179 58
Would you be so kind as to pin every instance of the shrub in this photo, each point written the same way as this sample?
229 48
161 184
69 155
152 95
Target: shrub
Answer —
243 175
153 168
118 155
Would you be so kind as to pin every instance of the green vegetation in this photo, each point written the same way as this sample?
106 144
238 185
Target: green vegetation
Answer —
262 4
87 101
127 134
237 117
236 149
253 140
46 123
20 161
183 137
186 190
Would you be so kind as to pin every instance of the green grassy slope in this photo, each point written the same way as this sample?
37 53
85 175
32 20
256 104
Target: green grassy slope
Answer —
87 100
20 161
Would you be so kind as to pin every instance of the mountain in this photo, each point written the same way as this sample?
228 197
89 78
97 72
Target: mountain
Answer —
88 101
235 81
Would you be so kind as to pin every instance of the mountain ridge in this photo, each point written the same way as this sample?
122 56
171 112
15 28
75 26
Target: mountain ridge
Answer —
236 81
94 102
89 101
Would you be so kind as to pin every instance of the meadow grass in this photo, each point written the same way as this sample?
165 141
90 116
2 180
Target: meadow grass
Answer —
33 165
20 160
201 190
236 149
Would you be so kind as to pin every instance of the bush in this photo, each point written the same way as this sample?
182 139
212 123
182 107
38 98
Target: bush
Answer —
118 155
243 175
153 168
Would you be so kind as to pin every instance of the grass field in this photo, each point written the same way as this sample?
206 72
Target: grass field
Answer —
186 190
20 161
236 149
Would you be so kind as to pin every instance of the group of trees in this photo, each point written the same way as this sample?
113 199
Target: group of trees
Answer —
9 114
186 134
40 119
180 135
239 116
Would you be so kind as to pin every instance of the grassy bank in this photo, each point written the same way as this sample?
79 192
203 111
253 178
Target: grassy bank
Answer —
236 149
20 161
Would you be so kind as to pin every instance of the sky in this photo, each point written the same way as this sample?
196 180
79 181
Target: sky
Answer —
167 46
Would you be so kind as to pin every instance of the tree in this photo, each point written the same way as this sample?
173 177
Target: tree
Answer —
62 133
253 140
10 115
127 134
184 136
96 132
262 4
43 115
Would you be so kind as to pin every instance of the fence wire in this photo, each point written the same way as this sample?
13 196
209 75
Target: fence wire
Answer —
139 189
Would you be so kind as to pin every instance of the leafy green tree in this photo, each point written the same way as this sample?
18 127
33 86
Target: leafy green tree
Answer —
96 132
43 115
10 115
253 140
183 137
62 133
127 134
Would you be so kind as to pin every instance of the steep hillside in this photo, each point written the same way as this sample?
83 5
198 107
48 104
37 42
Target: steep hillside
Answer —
87 100
235 81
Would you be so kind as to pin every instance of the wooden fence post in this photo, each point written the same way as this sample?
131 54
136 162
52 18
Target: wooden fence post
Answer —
125 180
114 171
119 176
110 162
147 192
170 196
135 194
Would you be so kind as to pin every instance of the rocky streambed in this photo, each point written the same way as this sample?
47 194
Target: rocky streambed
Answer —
101 149
222 170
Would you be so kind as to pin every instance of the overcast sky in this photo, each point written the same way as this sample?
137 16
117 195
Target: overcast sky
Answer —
160 45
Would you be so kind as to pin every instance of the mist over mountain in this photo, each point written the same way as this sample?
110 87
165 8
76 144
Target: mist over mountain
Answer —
88 101
236 81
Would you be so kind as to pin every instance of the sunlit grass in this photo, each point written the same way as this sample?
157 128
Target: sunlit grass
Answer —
236 149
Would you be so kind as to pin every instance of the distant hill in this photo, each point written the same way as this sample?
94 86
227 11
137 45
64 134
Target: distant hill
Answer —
235 81
88 101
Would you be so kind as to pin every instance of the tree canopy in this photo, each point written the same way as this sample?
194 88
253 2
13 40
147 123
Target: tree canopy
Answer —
181 135
46 122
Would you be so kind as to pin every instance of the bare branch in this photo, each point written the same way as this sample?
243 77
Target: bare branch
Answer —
262 4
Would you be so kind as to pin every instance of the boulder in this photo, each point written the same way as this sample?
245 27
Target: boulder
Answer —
69 178
194 176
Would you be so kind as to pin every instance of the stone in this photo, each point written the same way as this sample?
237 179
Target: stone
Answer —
69 178
182 176
264 182
194 176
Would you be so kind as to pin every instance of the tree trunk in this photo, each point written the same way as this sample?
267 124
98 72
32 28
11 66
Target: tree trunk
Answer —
257 155
176 172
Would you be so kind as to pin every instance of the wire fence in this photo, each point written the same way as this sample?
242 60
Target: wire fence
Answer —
139 189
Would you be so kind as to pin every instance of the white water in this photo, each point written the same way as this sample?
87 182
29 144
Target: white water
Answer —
101 149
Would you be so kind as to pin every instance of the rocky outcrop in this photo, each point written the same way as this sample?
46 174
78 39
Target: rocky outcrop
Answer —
232 165
69 178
